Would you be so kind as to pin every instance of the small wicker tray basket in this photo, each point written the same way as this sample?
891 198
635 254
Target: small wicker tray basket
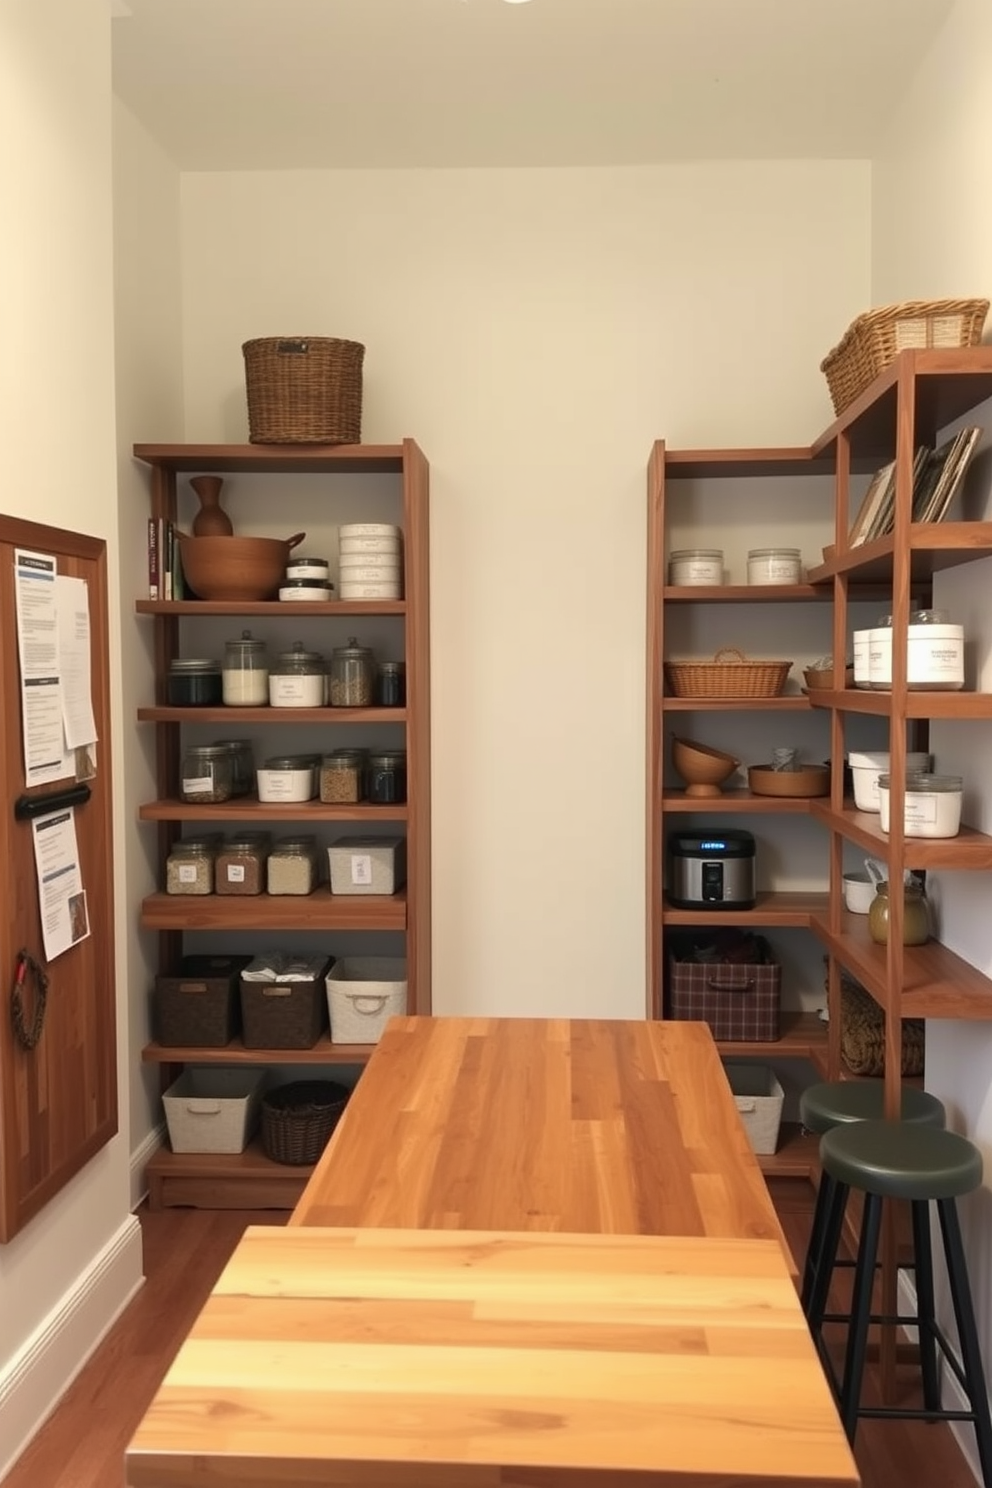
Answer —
304 390
729 674
872 340
298 1119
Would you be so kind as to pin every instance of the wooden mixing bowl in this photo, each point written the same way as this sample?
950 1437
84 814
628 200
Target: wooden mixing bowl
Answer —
235 568
703 769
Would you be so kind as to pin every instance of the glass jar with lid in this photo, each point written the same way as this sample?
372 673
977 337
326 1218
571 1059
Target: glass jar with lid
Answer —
206 776
242 764
194 682
342 776
245 673
297 679
293 865
386 782
352 675
189 868
916 915
390 689
240 865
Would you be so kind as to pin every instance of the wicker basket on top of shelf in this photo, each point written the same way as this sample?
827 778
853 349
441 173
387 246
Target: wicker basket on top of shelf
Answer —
730 674
872 340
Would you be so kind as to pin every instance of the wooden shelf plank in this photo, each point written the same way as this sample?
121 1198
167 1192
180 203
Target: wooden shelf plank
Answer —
323 1052
239 1180
937 983
320 910
970 849
235 717
748 593
696 464
270 607
933 546
316 459
948 384
772 908
791 703
247 808
797 1154
918 704
735 801
804 1036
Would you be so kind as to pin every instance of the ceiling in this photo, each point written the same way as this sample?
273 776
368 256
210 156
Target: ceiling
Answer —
279 84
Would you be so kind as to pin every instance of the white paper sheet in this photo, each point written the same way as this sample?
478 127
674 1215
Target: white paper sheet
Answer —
73 615
45 756
64 917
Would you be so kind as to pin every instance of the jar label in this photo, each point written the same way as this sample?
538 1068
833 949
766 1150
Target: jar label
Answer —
198 785
187 873
920 810
235 872
361 868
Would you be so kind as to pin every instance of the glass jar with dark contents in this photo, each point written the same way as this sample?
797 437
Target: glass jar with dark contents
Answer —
194 682
386 780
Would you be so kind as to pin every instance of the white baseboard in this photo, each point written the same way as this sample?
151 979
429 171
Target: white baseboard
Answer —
951 1393
139 1161
39 1374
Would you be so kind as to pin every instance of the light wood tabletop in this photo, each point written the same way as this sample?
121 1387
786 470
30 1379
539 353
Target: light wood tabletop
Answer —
439 1359
585 1126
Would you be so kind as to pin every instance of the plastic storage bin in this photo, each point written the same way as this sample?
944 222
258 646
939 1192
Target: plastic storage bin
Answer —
367 865
213 1110
758 1097
363 993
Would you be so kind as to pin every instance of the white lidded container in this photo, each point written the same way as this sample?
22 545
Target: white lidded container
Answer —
368 529
862 648
366 589
286 779
386 546
934 654
317 569
867 767
774 566
695 566
933 805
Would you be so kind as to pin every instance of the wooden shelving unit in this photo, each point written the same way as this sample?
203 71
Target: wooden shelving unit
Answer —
249 1179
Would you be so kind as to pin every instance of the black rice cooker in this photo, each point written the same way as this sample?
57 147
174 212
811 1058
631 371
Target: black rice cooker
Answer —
708 870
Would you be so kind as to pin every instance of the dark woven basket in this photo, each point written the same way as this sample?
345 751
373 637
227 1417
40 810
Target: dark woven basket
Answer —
304 390
298 1119
862 1034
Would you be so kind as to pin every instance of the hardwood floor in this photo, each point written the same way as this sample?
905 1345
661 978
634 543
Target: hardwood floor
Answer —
82 1444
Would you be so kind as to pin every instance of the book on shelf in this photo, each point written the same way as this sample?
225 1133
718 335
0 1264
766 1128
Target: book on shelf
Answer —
874 498
165 574
952 460
936 479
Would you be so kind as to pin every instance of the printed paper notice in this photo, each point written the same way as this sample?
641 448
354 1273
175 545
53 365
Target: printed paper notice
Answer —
45 756
64 917
73 615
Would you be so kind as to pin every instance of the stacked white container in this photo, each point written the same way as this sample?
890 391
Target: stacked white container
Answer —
370 561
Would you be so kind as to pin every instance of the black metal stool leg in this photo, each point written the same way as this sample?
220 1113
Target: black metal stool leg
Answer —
964 1314
820 1288
857 1338
814 1251
926 1314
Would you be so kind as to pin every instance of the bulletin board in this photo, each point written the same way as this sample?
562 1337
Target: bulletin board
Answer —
58 1041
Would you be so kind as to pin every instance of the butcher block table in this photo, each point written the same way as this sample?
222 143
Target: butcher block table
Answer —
585 1126
455 1359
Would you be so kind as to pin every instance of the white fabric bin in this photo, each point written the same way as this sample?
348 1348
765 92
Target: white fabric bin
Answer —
213 1110
363 993
367 865
758 1097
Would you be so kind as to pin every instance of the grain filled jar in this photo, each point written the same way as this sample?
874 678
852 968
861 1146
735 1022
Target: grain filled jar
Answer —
386 782
194 682
240 865
189 868
916 916
205 777
246 672
342 776
293 866
297 679
352 675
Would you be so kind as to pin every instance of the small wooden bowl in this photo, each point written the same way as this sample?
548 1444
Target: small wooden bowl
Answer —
822 678
808 780
703 769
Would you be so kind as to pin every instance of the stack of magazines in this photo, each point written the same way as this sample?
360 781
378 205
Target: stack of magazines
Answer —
937 476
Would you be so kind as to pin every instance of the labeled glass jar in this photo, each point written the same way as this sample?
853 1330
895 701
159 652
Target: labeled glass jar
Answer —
934 654
342 776
916 916
240 865
352 675
695 566
246 672
390 685
774 566
386 782
932 804
194 682
297 679
293 866
206 776
189 868
242 764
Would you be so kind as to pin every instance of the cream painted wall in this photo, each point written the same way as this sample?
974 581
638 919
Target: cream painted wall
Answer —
932 236
70 1270
535 331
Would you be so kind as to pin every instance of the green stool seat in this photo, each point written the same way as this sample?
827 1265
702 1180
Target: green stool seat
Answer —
898 1161
838 1102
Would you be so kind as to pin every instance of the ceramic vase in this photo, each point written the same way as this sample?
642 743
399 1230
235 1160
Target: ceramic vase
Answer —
211 520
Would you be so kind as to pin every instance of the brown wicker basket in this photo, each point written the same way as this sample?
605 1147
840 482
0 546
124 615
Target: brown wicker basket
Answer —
298 1119
862 1034
729 674
872 341
304 390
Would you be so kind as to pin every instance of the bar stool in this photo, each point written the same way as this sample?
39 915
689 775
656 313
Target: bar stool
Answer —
837 1103
924 1165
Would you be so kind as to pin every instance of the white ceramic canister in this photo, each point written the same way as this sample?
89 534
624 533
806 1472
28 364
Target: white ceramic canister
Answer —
934 654
284 780
774 566
861 645
867 767
382 545
933 805
368 529
370 573
688 566
378 590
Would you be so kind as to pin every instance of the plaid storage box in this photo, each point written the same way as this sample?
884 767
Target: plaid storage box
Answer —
740 1001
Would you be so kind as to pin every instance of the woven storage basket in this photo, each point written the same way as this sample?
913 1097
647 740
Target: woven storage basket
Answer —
729 674
304 390
298 1119
871 342
862 1034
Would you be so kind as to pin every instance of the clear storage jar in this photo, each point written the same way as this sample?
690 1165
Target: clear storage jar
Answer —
293 866
205 777
189 868
342 776
390 687
240 865
695 566
387 777
246 672
352 675
194 682
916 916
932 805
242 764
774 566
297 679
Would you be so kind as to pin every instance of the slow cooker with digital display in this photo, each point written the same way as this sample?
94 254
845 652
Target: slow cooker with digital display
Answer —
713 869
